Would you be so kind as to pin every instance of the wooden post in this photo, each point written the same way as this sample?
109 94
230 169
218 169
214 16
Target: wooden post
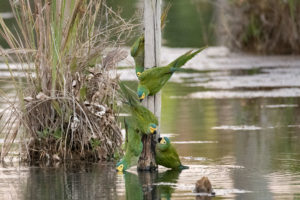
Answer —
152 12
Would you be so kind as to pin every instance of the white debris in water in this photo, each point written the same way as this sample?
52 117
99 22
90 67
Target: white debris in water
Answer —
15 66
237 128
194 142
165 183
225 192
168 135
280 106
124 115
123 132
293 126
193 158
6 15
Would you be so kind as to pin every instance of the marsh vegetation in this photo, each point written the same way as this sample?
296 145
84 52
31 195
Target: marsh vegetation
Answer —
66 105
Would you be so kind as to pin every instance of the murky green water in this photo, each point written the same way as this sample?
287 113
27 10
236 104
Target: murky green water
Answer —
235 121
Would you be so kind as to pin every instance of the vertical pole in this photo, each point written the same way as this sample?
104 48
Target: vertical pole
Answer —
152 12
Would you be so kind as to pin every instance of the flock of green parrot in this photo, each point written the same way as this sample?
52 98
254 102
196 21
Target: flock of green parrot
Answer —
141 120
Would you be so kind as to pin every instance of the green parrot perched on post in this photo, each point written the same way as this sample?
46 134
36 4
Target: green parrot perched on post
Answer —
141 121
152 80
137 50
166 154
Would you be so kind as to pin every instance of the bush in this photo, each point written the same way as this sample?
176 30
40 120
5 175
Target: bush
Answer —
66 106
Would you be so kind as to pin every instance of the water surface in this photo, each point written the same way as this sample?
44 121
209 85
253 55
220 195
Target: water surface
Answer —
234 118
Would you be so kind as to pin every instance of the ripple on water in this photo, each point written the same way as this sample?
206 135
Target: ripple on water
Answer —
237 128
221 94
193 158
280 106
194 142
168 135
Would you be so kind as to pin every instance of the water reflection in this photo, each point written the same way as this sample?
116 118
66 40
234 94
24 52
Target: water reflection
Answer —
85 181
133 187
72 181
166 183
150 185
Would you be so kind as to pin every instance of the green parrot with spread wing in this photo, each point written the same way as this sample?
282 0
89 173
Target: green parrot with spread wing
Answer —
137 50
142 119
166 154
152 80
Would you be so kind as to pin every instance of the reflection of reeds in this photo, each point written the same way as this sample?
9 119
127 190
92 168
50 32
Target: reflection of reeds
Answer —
66 107
265 25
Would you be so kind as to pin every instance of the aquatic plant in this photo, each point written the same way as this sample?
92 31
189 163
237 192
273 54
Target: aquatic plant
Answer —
65 107
266 26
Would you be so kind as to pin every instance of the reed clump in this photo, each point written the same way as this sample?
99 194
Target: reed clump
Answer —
66 104
265 26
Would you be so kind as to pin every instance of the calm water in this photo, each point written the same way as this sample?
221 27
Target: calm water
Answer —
235 120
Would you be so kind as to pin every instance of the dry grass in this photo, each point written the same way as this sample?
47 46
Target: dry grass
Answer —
265 26
66 106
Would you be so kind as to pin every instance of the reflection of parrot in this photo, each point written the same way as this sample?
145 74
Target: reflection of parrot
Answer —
170 177
133 148
134 190
166 155
152 80
138 48
141 119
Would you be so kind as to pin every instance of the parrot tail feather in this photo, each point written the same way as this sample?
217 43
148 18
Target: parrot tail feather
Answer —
174 69
181 60
181 167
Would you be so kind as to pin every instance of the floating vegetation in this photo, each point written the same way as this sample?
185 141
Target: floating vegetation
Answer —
66 106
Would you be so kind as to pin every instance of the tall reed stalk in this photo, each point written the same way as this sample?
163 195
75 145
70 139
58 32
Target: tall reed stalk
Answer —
66 105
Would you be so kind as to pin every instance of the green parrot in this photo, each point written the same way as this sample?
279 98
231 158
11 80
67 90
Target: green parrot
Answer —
166 154
138 53
137 50
142 119
152 80
133 148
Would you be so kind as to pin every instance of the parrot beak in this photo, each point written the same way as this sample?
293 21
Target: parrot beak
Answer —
152 130
154 133
142 97
159 139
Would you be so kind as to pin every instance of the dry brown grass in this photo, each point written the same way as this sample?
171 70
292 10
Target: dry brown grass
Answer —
66 106
265 26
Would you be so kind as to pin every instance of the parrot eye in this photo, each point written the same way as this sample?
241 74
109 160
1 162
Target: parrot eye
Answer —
138 73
